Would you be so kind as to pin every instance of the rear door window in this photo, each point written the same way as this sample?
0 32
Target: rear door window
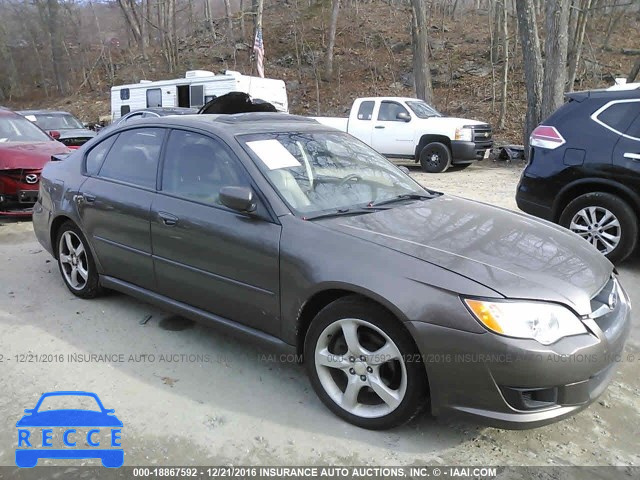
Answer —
133 158
618 116
366 110
96 155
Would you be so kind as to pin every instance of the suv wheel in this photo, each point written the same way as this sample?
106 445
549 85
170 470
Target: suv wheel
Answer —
76 262
604 220
364 365
435 157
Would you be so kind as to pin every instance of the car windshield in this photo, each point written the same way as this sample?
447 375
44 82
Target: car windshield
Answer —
423 110
317 172
56 121
69 402
19 129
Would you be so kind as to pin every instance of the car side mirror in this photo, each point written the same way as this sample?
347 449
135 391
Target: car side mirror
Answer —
54 134
403 116
240 199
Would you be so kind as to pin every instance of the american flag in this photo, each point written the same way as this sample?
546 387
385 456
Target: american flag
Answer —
258 47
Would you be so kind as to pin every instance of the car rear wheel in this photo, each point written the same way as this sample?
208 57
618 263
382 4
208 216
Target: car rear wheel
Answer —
435 157
76 263
364 365
604 220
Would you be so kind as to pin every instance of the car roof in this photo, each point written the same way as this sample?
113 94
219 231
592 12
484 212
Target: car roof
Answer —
605 93
167 110
240 123
36 112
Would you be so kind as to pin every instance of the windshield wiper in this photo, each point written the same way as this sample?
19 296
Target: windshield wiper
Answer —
343 211
401 198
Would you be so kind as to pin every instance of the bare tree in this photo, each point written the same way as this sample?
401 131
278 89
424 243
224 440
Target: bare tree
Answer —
532 63
421 71
227 11
555 54
634 71
580 10
134 21
505 63
333 24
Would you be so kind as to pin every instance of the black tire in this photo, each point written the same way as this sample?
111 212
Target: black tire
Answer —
627 219
90 287
435 157
416 386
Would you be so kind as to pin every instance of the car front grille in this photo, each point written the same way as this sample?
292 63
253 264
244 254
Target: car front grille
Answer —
75 141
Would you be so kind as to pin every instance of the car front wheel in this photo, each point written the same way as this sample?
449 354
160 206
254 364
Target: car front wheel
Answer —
435 157
364 365
604 220
76 263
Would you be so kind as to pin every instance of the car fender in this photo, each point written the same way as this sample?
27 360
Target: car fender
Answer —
611 186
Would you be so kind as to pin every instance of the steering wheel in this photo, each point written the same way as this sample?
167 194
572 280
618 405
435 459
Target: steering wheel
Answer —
349 178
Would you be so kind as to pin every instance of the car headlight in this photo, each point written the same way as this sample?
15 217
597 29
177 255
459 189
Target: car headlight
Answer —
545 322
464 133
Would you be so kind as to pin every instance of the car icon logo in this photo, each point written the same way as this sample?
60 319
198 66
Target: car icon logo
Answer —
31 178
80 433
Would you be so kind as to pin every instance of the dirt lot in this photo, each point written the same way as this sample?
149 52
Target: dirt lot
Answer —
232 402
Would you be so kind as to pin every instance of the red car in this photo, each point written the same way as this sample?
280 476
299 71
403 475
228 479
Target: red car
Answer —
24 149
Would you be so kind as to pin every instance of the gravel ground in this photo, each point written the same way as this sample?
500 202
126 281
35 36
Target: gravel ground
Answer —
234 402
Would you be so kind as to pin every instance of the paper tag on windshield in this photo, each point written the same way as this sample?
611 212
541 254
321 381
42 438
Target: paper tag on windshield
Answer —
31 118
273 154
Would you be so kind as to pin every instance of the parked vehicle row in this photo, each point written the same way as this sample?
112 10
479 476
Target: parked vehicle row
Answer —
281 228
409 128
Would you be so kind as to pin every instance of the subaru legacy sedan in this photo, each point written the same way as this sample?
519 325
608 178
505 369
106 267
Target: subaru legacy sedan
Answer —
397 297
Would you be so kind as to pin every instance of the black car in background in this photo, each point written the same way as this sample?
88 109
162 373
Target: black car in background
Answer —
584 169
62 126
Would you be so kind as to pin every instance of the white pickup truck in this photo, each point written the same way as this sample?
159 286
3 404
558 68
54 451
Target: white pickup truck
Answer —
409 128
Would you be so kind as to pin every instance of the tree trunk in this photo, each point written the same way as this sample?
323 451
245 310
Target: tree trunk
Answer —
57 48
555 49
421 71
577 41
505 64
634 71
532 62
333 24
227 11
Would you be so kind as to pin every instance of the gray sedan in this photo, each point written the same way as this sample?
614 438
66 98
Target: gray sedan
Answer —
273 226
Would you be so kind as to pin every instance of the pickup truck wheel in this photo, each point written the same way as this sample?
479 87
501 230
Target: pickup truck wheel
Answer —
604 220
435 157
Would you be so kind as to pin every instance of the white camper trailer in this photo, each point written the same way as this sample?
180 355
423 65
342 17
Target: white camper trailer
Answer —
194 90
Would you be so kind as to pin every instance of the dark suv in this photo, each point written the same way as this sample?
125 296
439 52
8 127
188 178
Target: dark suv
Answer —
584 169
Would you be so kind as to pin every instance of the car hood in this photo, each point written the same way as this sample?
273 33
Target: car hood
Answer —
69 418
516 255
76 133
28 155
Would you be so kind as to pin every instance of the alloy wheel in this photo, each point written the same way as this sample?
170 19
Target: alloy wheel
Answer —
360 368
73 260
598 226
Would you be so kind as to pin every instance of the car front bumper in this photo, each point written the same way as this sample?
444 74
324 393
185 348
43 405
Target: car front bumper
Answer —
520 383
467 152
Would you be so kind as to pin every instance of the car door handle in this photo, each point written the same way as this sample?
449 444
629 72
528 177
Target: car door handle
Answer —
168 219
379 126
84 198
632 156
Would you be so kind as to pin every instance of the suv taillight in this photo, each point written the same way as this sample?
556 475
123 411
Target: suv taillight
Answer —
546 137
